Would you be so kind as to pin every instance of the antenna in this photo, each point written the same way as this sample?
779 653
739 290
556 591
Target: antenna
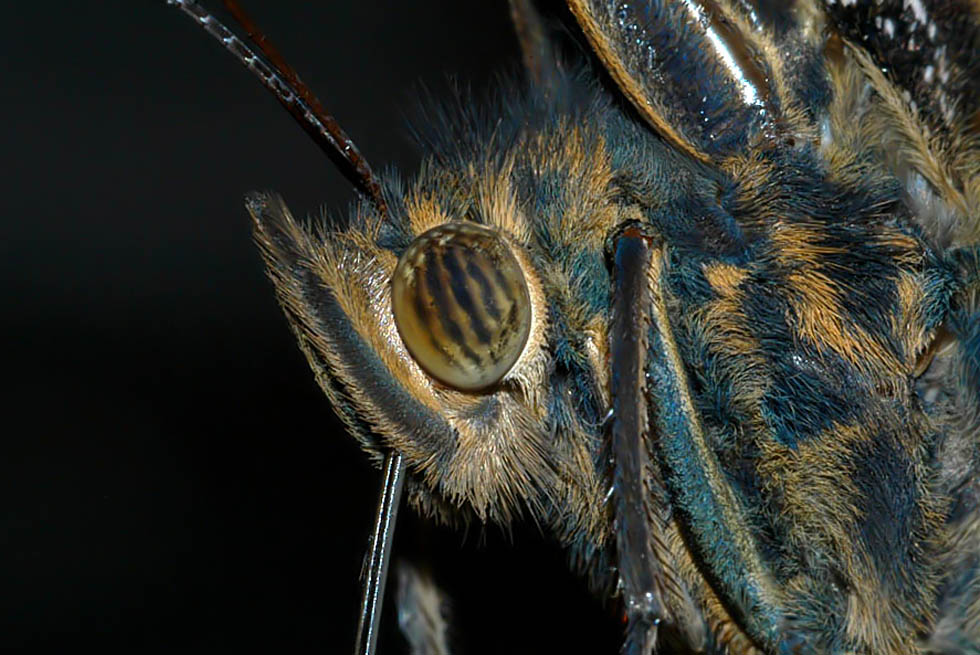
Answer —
282 81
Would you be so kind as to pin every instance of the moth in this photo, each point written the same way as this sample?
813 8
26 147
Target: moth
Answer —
699 296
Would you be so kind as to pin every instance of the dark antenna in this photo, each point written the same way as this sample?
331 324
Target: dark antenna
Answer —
281 80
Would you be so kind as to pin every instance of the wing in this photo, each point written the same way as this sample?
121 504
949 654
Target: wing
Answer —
714 77
699 72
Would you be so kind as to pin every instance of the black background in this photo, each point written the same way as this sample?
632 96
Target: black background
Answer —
171 478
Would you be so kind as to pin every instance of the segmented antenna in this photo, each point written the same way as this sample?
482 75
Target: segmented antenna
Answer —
279 77
282 81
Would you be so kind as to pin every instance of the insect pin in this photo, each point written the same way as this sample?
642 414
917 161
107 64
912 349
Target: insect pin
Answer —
700 298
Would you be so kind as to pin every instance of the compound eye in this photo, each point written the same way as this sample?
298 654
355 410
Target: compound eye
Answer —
461 305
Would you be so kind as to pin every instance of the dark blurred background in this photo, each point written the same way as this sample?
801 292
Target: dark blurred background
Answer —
171 478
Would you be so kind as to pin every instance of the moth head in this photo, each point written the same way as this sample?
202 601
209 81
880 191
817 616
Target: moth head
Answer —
428 328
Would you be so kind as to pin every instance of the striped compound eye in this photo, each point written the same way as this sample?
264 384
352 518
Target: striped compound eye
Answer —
461 305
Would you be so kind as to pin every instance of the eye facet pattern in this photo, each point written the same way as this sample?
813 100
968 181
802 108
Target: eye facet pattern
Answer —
461 305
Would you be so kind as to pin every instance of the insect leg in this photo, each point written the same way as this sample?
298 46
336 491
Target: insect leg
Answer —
642 577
